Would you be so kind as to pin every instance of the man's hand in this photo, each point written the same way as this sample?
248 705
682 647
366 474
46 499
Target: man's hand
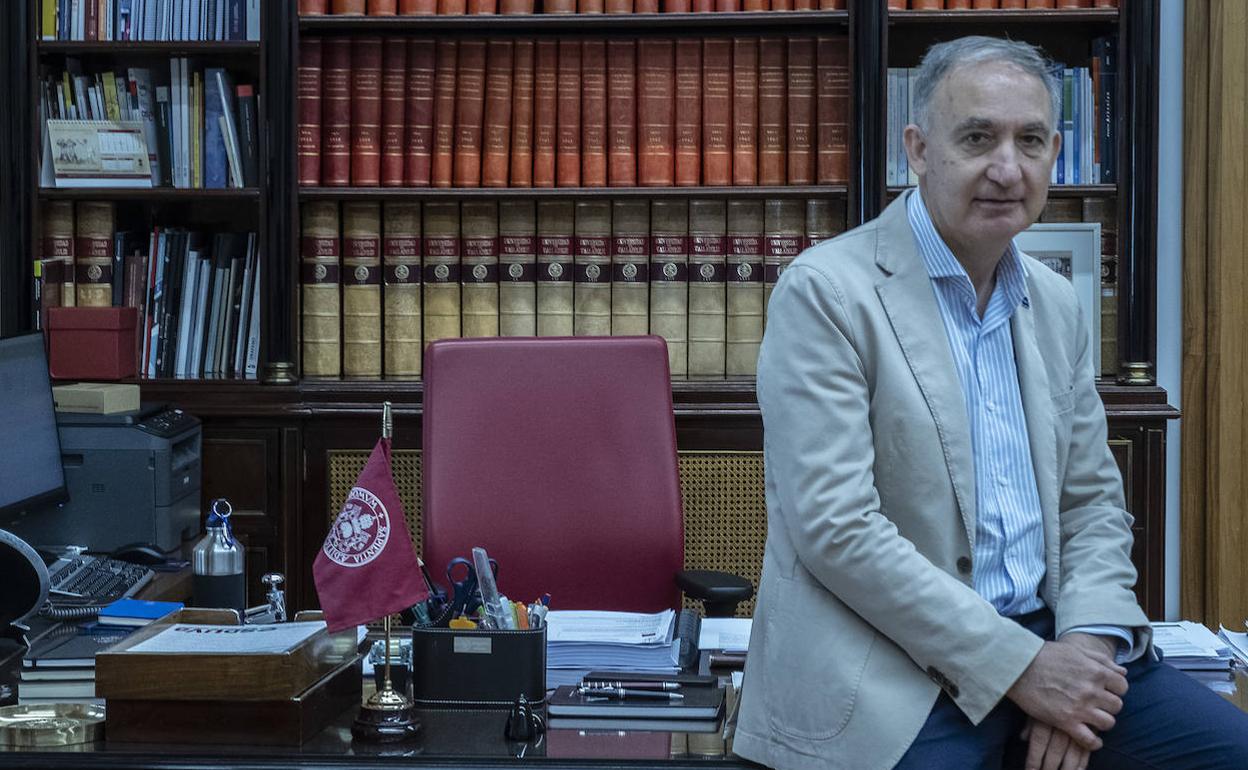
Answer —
1093 643
1074 690
1049 749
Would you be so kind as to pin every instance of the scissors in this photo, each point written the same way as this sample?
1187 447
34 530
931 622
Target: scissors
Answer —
465 597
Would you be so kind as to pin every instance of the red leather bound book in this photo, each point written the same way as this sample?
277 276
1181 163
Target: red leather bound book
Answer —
985 5
522 115
382 7
1013 5
336 112
832 110
349 7
781 5
469 105
559 6
645 6
804 5
483 7
515 7
702 6
656 73
366 112
393 94
618 6
957 5
308 97
568 132
717 112
831 5
545 111
772 117
896 5
1067 4
729 6
756 5
589 6
688 134
495 155
446 63
1104 3
452 7
1041 4
594 113
622 113
927 5
419 118
418 7
801 104
313 7
745 110
675 6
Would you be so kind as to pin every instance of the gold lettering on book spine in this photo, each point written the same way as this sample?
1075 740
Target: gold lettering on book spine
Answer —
361 289
401 320
321 301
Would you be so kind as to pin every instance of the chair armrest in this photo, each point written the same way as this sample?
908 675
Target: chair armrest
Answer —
719 592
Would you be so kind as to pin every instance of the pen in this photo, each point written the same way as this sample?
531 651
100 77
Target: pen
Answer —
620 692
602 684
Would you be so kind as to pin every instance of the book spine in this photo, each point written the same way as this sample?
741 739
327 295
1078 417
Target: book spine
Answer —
801 105
568 126
656 72
559 6
382 7
772 112
717 112
400 266
831 5
821 222
545 112
783 232
366 112
452 7
336 112
249 135
469 113
93 253
417 7
58 253
756 5
361 289
308 96
348 7
418 118
832 110
927 5
498 100
521 160
482 7
517 278
1104 211
594 113
447 53
688 112
479 275
622 112
645 6
618 6
591 292
393 109
744 290
727 6
440 275
589 6
554 268
1038 4
630 267
707 291
320 299
515 7
745 111
675 6
669 280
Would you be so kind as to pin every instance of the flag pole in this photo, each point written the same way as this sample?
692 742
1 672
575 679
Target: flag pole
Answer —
387 430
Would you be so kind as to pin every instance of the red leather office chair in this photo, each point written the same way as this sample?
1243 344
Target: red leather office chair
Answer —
558 456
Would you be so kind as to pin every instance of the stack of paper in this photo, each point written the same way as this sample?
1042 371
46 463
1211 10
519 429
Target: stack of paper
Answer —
1238 643
1191 647
578 641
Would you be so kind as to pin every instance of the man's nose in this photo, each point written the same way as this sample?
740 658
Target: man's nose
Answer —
1004 168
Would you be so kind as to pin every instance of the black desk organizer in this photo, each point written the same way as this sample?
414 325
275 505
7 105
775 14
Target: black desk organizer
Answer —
477 668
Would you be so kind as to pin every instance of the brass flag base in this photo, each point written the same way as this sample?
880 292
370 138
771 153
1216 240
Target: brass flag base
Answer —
387 716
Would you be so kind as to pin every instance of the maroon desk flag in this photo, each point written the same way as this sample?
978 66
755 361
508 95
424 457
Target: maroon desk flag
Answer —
367 569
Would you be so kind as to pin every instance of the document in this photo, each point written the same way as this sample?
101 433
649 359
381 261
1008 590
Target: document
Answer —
1188 645
1238 643
229 640
610 627
729 634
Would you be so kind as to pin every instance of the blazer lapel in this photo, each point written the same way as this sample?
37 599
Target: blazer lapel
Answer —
908 298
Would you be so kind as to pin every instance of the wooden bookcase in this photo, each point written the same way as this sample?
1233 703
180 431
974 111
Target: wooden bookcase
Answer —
268 445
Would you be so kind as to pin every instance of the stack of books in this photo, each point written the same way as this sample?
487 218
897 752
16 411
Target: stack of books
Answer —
60 666
578 641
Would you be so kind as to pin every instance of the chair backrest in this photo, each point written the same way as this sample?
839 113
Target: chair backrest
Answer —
558 455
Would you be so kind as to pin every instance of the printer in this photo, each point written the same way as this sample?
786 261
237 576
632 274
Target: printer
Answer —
132 477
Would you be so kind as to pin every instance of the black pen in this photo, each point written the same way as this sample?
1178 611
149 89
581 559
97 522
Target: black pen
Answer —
620 692
609 684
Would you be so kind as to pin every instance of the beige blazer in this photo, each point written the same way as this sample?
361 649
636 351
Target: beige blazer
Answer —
865 607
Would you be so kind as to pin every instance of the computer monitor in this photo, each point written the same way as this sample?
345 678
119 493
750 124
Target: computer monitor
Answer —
30 449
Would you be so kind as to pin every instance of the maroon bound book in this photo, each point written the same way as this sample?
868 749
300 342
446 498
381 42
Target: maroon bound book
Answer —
498 79
545 111
393 92
522 115
688 133
444 111
568 129
366 112
309 110
772 115
801 104
717 111
594 113
745 110
832 110
469 108
656 72
622 113
419 118
336 112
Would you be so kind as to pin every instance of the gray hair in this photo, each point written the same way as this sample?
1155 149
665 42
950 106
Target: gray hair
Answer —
943 58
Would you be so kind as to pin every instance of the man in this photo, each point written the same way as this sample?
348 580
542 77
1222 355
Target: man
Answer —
947 564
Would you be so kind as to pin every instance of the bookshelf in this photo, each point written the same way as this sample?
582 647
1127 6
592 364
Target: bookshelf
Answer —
272 446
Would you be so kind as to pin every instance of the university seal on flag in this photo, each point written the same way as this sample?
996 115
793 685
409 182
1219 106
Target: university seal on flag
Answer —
360 532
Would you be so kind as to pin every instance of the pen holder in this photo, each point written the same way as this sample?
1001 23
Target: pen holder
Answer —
477 668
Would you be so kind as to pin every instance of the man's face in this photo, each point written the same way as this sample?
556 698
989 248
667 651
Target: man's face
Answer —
984 164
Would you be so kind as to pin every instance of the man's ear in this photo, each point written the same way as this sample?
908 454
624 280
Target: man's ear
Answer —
1057 149
916 148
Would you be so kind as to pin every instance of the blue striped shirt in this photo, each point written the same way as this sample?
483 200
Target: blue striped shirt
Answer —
1009 539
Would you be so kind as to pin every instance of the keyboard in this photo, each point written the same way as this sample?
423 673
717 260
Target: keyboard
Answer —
85 579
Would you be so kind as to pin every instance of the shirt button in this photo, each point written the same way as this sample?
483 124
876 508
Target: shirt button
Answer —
964 565
992 407
1003 481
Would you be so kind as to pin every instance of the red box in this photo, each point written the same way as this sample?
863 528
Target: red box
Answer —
91 343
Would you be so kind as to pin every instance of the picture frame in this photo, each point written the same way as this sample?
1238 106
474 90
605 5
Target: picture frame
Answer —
1073 250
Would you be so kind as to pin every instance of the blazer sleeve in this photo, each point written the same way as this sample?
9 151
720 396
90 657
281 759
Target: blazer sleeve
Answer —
815 401
1096 570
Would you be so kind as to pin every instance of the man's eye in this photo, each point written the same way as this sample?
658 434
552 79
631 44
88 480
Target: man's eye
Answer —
1033 141
976 139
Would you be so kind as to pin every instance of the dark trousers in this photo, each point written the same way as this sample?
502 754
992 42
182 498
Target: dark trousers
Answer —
1168 720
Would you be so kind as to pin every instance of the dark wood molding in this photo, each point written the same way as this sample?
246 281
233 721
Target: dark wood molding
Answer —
869 110
544 22
279 207
211 48
150 194
16 170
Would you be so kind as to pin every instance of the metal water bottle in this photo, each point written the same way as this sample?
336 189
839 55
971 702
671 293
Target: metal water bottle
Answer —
219 578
